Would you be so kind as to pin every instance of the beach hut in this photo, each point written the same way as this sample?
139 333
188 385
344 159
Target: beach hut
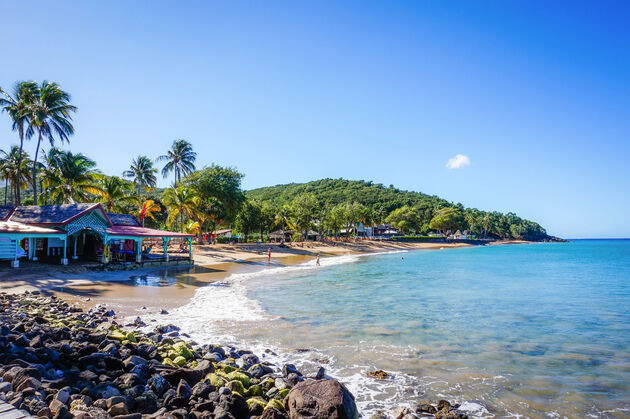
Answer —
52 232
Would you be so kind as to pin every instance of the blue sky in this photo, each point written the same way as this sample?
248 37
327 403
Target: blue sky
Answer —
535 94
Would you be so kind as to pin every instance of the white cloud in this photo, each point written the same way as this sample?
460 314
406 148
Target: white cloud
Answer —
457 162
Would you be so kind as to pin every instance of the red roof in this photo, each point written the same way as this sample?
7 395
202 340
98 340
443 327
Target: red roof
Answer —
19 228
142 232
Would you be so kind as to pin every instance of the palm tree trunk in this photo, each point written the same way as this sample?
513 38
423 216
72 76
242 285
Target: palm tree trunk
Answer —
19 168
6 190
39 142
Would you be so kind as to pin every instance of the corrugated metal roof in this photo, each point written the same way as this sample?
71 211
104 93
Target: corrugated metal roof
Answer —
5 211
123 219
50 214
20 228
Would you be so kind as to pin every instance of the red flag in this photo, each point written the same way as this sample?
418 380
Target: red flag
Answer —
144 208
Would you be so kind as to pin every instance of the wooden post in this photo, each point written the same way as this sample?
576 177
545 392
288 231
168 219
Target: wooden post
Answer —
138 250
16 262
76 238
165 241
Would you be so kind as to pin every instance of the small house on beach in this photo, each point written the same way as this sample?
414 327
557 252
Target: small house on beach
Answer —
53 233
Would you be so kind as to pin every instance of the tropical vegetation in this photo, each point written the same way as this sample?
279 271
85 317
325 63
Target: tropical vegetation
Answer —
202 200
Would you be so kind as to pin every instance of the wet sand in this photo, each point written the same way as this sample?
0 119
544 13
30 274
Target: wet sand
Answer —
155 289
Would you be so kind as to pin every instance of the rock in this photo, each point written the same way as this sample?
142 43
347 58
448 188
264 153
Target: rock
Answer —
321 399
443 404
29 382
451 414
379 414
55 406
63 395
273 413
379 374
159 385
425 408
130 416
403 413
321 373
259 370
183 389
118 409
202 390
234 405
290 368
128 380
134 361
5 387
36 342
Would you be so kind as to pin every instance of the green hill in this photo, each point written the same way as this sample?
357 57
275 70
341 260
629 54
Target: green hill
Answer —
381 201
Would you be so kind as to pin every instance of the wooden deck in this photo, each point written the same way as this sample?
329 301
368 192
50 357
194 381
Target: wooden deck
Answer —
7 411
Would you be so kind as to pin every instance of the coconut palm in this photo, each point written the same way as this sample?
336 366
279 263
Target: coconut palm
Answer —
14 170
180 160
69 178
142 172
180 201
114 193
17 107
150 207
49 116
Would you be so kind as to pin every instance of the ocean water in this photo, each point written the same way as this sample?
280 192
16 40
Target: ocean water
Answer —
534 330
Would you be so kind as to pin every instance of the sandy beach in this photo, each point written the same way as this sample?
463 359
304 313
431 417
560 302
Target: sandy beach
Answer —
151 290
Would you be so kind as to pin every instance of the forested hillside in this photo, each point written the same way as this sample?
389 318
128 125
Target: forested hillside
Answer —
409 211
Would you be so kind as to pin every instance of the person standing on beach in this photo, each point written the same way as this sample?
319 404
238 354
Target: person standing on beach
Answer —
269 256
317 261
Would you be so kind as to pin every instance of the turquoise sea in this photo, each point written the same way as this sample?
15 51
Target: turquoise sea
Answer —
533 330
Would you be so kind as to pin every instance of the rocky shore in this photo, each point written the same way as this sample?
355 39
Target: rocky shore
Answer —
57 361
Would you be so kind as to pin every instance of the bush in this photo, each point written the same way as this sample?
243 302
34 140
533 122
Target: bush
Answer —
411 238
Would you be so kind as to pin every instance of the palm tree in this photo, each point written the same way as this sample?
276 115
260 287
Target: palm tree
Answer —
114 193
180 201
150 207
142 172
17 106
49 116
69 178
181 160
14 171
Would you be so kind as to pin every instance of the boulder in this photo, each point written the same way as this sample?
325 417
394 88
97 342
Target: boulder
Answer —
321 399
273 413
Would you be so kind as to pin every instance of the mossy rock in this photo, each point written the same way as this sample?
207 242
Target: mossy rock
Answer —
182 349
193 364
254 391
283 393
180 361
118 335
215 380
172 354
256 401
239 376
268 383
131 337
227 368
236 387
167 341
275 403
167 361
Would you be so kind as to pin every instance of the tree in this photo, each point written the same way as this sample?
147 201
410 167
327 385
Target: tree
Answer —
446 219
248 218
49 116
17 107
180 160
335 219
180 201
284 218
114 193
14 171
69 178
143 174
354 213
304 208
267 219
222 184
404 218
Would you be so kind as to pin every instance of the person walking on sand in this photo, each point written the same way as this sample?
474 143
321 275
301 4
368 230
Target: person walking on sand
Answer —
317 261
269 256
